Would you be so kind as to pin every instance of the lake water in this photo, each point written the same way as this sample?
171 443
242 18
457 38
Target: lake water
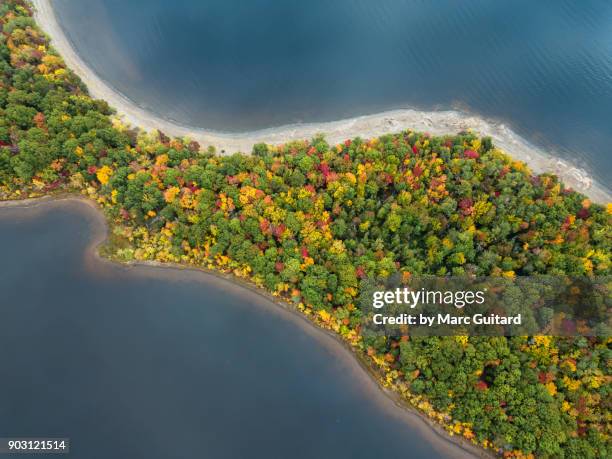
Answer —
151 363
544 67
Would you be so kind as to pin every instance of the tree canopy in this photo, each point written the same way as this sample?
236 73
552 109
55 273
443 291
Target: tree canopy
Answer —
308 221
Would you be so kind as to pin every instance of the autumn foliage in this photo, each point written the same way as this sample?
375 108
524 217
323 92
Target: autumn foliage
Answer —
307 221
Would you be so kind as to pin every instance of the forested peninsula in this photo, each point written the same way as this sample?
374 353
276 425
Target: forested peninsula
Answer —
308 221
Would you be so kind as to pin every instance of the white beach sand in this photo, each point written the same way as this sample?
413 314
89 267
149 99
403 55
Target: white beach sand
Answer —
434 122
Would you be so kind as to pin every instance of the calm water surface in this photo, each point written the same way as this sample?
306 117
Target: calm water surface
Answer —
132 364
543 67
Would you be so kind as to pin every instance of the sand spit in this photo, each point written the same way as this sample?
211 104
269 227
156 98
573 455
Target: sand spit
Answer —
434 122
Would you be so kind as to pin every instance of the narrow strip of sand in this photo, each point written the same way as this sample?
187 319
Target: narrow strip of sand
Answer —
434 122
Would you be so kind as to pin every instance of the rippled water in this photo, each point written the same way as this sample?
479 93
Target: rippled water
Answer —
143 363
543 67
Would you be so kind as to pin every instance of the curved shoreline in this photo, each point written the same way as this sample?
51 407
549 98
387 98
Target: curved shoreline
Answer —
434 122
389 400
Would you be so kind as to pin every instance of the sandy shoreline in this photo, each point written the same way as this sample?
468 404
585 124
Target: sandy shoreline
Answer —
452 446
434 122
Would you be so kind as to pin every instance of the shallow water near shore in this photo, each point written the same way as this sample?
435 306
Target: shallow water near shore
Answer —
544 68
134 362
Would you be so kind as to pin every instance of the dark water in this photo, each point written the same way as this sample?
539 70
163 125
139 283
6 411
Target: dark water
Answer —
543 67
131 364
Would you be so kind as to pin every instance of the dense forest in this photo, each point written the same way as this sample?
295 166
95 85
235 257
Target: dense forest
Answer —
308 221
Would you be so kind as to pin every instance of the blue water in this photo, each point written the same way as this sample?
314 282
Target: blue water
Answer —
543 67
142 363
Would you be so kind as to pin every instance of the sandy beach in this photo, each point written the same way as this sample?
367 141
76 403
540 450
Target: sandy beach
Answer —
433 122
